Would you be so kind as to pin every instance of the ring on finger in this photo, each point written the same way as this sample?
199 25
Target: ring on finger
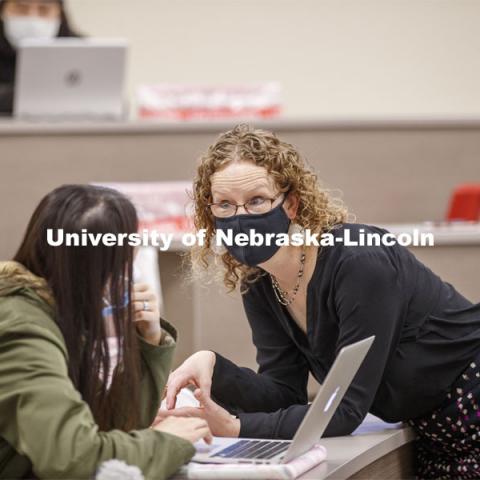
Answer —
146 306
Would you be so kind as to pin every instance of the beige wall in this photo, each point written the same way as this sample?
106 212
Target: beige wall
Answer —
333 57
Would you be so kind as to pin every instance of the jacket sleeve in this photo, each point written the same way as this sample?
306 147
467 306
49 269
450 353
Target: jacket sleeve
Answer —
47 421
156 362
368 302
282 375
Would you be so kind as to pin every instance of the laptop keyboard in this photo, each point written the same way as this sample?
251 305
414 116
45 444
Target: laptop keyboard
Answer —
254 449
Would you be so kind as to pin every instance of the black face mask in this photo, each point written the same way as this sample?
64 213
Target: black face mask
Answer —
275 221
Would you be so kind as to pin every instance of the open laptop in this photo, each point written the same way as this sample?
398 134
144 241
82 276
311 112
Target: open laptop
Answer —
311 429
70 78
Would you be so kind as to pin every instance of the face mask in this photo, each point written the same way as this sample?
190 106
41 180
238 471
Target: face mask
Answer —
275 221
108 310
18 28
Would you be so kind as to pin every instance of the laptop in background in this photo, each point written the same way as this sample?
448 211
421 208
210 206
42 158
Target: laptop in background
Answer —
311 429
71 78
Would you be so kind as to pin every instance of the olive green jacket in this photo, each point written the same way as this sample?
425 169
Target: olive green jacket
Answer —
46 429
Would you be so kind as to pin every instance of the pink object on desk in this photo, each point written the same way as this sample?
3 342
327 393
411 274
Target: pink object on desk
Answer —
275 471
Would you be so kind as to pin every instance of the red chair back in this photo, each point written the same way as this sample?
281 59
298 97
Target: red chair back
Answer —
465 203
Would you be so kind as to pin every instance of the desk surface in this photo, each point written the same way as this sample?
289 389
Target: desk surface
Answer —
371 441
347 455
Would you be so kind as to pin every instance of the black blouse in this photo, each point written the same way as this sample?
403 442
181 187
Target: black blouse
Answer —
426 335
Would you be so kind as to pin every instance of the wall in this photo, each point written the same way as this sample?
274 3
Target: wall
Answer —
333 57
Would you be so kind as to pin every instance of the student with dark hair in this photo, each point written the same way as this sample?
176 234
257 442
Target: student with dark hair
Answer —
62 414
21 19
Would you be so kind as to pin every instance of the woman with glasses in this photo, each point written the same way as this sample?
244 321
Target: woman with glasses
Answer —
304 303
25 19
67 402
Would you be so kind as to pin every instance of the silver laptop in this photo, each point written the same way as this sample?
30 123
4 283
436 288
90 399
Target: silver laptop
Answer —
70 78
311 429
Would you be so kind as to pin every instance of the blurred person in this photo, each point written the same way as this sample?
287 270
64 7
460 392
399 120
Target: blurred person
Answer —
304 303
62 414
23 19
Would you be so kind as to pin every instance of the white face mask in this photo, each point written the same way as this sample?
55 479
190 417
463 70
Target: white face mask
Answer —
18 28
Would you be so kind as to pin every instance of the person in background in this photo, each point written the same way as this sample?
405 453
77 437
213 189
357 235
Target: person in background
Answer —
62 415
19 20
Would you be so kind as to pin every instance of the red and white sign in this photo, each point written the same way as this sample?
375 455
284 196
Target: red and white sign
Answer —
203 102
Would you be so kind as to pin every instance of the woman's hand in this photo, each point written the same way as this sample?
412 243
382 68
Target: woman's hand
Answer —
221 423
191 429
146 313
196 370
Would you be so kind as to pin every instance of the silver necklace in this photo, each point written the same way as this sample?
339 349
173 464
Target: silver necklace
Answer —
282 296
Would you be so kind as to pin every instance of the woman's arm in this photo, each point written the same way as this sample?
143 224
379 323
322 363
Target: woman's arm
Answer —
240 389
281 380
49 423
282 375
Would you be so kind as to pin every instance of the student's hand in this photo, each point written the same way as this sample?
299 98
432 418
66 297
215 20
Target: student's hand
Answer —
221 423
196 370
191 429
147 321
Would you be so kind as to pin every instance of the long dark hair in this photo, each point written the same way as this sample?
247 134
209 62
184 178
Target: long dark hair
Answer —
79 277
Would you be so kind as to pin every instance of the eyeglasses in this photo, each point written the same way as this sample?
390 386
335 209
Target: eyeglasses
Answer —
256 204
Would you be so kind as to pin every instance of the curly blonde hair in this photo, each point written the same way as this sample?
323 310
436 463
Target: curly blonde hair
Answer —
317 209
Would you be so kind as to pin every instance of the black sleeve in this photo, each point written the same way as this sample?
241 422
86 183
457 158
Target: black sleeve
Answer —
282 376
368 300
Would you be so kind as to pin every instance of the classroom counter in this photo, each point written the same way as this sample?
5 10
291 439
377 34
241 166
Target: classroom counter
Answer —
10 126
376 450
